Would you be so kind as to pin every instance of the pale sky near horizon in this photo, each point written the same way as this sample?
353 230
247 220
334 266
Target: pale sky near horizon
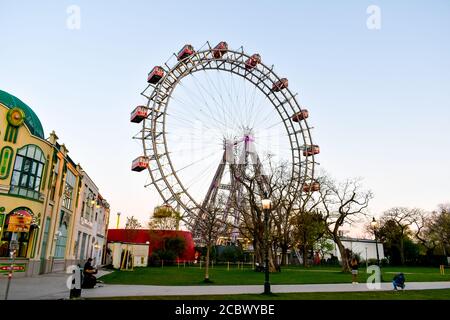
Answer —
379 99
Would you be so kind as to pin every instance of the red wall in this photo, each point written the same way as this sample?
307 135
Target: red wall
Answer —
155 237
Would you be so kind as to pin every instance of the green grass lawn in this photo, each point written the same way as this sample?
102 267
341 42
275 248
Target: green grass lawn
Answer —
289 275
441 294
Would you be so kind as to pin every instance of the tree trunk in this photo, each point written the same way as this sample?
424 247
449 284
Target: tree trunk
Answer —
207 263
272 260
283 255
305 255
402 251
342 251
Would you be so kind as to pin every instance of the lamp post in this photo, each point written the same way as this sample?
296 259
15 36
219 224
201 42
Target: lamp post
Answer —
118 220
266 205
374 225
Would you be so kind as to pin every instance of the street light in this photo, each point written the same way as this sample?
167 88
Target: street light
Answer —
118 220
266 205
374 225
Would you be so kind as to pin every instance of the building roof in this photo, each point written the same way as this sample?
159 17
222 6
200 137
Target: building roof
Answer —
31 119
358 240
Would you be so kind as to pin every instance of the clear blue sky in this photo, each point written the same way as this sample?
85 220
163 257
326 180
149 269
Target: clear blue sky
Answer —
379 99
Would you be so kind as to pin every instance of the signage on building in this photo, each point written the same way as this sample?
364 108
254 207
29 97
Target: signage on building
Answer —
6 267
19 221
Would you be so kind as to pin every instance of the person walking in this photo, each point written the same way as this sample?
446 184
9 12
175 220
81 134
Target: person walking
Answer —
354 265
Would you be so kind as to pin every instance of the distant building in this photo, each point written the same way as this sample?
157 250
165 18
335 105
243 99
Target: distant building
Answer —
139 240
365 248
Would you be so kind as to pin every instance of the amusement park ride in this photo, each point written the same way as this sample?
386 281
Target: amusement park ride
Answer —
238 153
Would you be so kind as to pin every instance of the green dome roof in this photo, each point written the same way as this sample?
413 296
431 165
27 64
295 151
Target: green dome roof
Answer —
31 120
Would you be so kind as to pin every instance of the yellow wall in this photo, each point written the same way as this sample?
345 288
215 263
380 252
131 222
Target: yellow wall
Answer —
44 207
24 138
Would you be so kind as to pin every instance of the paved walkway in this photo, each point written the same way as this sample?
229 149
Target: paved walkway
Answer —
141 290
53 286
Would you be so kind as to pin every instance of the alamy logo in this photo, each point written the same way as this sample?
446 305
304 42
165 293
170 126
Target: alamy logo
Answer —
374 280
374 20
74 280
73 21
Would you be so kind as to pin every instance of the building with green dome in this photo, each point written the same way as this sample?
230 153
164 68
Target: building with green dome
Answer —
43 197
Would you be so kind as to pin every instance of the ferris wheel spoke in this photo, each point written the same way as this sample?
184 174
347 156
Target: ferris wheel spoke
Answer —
239 102
249 106
197 161
197 105
207 172
211 83
188 123
234 101
230 110
194 106
205 103
201 89
259 108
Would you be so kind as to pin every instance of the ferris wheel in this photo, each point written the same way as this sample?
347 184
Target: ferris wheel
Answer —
209 109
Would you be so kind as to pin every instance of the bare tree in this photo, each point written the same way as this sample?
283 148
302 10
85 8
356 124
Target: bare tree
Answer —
275 185
344 202
209 228
132 223
425 232
403 218
131 227
131 230
443 226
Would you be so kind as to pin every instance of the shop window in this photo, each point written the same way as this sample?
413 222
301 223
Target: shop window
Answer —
22 237
68 190
61 241
27 172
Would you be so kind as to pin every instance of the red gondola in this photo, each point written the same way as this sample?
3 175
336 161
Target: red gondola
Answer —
311 150
139 114
155 75
311 187
280 85
299 116
185 52
139 164
253 61
220 50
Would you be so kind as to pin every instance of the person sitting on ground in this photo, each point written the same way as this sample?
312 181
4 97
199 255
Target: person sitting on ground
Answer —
399 281
89 280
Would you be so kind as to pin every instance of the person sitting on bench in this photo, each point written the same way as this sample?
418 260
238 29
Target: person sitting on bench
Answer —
89 280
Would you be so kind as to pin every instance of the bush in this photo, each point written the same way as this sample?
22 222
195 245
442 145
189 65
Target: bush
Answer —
333 261
154 260
168 256
212 253
175 245
230 253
